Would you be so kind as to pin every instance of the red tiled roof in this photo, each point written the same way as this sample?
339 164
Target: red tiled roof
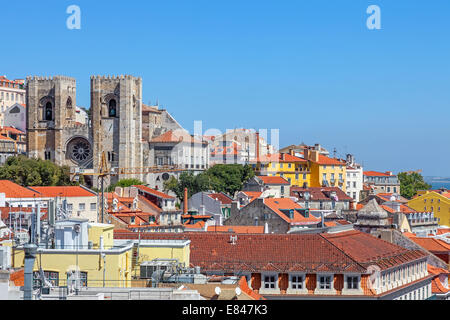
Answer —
257 252
279 204
442 231
6 210
243 285
237 229
324 160
252 194
198 225
223 198
376 174
63 191
17 277
11 130
432 244
436 270
320 193
154 192
280 157
409 234
176 137
273 180
437 287
367 249
351 251
13 190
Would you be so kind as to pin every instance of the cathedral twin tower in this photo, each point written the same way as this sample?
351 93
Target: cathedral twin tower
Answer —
114 127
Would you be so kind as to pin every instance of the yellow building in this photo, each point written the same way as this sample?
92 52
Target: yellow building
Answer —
436 201
325 171
294 169
106 262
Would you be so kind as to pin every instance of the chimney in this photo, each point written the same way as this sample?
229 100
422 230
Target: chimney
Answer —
185 202
306 154
291 152
266 228
314 156
30 257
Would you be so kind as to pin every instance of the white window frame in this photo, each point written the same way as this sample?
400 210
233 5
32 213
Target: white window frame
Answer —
319 290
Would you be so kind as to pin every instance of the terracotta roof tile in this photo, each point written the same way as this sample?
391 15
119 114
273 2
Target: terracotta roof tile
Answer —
154 192
63 191
13 190
278 205
223 198
377 174
432 244
273 180
237 229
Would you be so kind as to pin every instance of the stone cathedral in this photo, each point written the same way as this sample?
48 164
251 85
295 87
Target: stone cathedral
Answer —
114 127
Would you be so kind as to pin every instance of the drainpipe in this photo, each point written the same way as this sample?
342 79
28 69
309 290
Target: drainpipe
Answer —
30 257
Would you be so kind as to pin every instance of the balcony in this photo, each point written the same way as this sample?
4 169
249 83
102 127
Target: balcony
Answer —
424 222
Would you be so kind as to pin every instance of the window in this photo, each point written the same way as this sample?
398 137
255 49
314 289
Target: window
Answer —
352 282
112 108
51 276
269 282
69 206
325 282
48 111
297 282
93 206
82 206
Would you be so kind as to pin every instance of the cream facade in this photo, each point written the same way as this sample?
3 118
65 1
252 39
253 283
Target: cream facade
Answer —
11 92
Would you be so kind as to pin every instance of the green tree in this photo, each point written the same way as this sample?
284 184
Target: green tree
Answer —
227 178
35 172
410 183
124 183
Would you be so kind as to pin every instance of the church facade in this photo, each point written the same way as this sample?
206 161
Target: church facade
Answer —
120 126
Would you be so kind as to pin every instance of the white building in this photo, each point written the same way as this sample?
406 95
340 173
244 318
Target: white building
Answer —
355 177
11 92
176 149
16 116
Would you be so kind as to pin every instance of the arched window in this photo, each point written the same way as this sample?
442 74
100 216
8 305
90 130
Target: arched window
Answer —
48 111
112 108
69 102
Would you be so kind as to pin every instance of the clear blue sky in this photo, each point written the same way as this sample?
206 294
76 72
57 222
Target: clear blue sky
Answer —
309 68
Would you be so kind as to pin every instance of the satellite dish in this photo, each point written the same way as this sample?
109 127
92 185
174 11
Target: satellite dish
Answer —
238 291
217 290
165 176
